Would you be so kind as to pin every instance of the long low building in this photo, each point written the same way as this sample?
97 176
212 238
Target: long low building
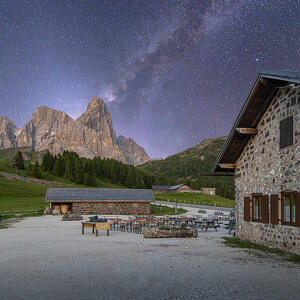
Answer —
161 189
99 201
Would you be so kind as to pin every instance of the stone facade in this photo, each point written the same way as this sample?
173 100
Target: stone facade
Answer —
110 208
172 233
265 168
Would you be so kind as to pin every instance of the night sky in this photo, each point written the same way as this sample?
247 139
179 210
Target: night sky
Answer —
172 73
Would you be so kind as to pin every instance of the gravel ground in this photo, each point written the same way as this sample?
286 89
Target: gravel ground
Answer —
45 258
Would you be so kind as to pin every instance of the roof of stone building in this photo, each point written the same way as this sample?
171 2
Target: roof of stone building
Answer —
167 187
257 102
70 195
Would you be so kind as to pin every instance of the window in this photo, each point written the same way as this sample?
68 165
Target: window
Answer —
286 132
256 208
288 209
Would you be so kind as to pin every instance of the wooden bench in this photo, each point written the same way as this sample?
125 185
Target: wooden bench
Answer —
102 226
88 224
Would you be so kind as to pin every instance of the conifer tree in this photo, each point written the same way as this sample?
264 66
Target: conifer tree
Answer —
58 169
79 175
69 170
36 170
19 161
131 178
89 179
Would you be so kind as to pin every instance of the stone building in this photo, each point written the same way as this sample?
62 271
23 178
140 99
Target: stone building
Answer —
163 189
99 201
263 150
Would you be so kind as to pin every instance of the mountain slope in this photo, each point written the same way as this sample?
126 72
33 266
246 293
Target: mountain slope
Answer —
185 167
7 133
91 135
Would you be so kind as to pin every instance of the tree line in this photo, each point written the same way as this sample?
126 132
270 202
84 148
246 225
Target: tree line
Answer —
81 170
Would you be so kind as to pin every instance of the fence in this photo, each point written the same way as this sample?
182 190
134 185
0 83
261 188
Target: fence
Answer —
21 213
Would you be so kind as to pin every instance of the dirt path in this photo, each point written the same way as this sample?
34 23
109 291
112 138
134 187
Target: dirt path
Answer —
33 180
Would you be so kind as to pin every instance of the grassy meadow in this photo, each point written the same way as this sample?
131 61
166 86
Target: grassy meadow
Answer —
16 196
159 210
196 198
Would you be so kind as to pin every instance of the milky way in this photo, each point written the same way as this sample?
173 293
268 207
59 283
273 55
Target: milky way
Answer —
171 72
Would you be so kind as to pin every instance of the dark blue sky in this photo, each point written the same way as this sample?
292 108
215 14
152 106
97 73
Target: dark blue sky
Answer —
171 72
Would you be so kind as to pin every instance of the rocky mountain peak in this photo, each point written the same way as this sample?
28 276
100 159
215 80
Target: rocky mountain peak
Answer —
91 135
134 154
7 132
98 117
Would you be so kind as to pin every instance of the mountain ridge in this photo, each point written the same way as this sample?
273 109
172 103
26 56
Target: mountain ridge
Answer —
185 167
90 135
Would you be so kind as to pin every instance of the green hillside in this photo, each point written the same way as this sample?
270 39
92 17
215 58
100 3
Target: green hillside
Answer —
30 156
185 167
196 198
18 196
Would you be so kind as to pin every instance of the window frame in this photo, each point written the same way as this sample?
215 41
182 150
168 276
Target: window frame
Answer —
254 198
292 212
281 138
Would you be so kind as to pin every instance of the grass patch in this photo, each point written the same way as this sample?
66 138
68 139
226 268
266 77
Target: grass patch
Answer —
237 243
294 258
159 210
17 196
196 198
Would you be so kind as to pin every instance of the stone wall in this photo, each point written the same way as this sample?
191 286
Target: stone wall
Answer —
265 168
172 233
110 208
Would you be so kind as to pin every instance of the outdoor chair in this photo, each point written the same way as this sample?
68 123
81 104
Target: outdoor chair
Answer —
137 228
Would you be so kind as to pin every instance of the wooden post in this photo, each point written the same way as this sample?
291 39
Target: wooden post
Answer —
107 232
82 228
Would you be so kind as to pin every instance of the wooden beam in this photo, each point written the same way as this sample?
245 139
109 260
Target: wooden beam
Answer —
227 166
251 131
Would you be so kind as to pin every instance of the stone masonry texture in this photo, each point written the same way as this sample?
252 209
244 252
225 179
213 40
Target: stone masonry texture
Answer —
110 208
265 168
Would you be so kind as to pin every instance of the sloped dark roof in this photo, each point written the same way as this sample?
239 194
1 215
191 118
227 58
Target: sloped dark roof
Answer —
93 195
257 102
167 187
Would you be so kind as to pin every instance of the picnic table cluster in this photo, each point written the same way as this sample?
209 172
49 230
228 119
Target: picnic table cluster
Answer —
137 223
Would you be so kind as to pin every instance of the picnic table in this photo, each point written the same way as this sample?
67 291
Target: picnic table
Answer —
209 224
88 224
102 226
231 225
97 226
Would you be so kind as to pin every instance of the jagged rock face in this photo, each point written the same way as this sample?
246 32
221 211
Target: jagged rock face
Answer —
90 135
98 117
7 133
134 154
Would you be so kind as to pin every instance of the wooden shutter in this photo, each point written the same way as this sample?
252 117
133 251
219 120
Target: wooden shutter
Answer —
265 209
274 209
286 132
282 208
297 199
247 209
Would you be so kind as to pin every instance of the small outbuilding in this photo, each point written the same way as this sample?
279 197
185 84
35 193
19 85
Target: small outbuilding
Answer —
263 151
99 201
208 191
162 189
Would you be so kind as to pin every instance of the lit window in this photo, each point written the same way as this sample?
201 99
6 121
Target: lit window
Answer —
289 209
257 208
